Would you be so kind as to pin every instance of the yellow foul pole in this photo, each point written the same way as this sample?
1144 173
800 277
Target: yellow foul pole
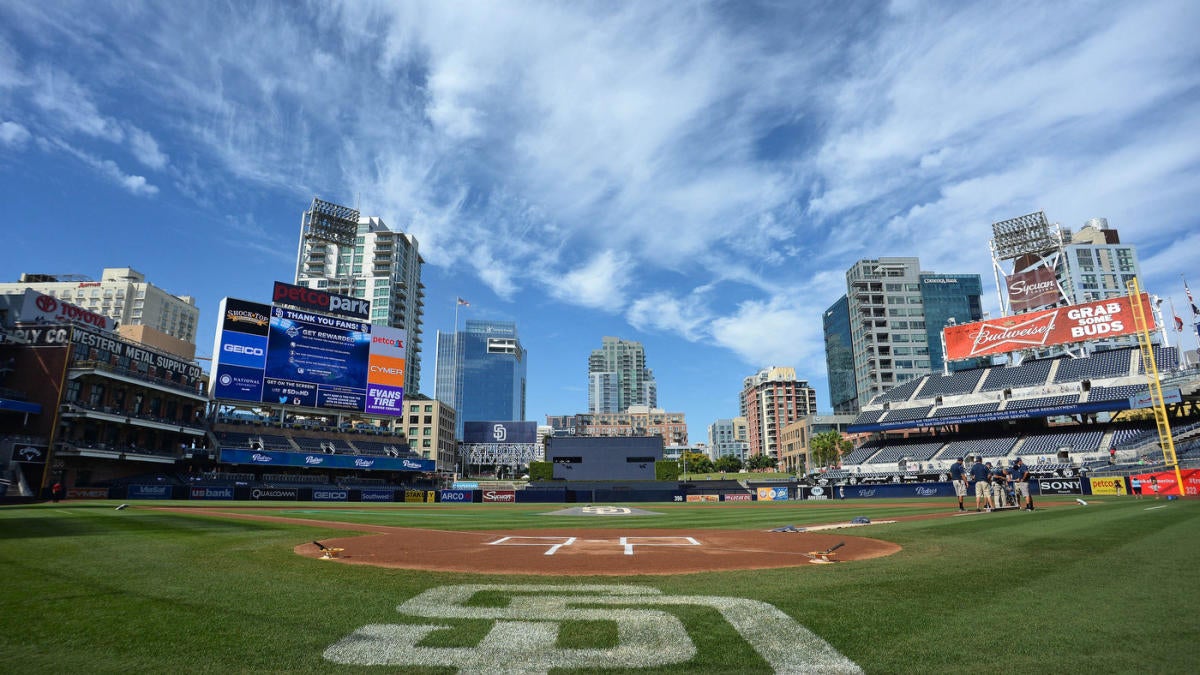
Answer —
1140 312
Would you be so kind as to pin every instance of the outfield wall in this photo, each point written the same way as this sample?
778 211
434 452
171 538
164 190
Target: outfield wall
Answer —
590 493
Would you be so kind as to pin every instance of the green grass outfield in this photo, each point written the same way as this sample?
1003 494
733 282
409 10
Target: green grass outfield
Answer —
1112 587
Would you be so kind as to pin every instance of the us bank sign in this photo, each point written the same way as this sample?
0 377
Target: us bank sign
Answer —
523 636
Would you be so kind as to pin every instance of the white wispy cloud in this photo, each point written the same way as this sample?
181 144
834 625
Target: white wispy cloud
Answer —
13 135
618 156
132 183
146 149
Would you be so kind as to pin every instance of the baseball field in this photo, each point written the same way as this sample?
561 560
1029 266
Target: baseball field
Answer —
1111 586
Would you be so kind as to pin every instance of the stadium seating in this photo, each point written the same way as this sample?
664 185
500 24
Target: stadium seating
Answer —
276 442
906 414
985 447
1049 443
382 449
915 451
1166 359
869 416
861 454
975 409
962 382
1118 393
308 444
1030 374
1042 402
1113 363
900 392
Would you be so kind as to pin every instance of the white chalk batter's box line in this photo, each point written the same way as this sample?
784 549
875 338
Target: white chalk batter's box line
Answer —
627 543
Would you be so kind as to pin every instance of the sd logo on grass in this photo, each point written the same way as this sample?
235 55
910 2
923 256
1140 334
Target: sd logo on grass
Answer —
524 633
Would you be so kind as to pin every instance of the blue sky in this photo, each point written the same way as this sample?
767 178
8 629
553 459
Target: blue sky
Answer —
694 176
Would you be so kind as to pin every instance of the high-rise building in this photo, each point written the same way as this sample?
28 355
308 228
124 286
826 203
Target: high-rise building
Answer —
893 314
122 294
772 399
618 377
729 438
637 420
343 252
481 373
430 430
1097 266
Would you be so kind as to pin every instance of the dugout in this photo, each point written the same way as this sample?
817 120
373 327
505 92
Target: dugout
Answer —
604 458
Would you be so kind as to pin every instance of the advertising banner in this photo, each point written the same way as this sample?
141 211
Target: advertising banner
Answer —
414 496
375 495
211 492
243 316
148 492
1144 400
1166 482
320 301
328 495
240 384
894 490
737 497
499 432
87 493
818 492
157 363
1034 330
704 498
772 494
459 496
500 496
1109 485
41 308
1062 486
386 371
279 458
1032 289
275 493
29 454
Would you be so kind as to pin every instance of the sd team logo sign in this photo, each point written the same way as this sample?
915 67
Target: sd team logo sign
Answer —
524 632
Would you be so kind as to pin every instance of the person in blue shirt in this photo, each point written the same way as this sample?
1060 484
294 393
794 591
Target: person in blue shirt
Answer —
958 479
1019 475
981 476
999 486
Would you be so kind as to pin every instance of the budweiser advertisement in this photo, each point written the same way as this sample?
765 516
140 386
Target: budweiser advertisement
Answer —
1035 330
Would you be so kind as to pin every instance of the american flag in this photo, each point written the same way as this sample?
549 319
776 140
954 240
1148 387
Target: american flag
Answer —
1191 300
464 303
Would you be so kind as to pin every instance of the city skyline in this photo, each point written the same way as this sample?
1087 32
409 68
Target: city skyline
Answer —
693 177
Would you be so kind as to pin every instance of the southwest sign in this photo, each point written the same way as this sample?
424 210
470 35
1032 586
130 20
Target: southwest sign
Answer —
1035 330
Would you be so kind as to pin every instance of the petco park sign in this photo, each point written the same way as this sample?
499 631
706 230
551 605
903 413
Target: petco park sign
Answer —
523 632
1034 330
320 301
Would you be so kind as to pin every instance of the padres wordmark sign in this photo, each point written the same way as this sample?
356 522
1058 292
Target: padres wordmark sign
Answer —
524 634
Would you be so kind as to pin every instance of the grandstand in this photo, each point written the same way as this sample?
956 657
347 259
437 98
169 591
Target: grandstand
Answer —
1061 415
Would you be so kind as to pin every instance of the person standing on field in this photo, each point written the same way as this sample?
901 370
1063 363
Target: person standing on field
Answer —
1154 485
999 480
1135 487
1020 478
959 480
980 475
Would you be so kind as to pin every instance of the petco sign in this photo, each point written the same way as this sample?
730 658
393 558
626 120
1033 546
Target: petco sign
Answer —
523 631
320 301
